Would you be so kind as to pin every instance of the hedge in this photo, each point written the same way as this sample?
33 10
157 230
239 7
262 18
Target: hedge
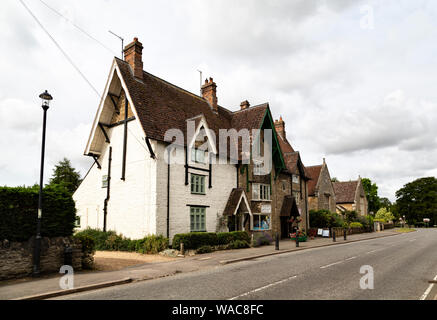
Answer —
195 240
111 241
19 212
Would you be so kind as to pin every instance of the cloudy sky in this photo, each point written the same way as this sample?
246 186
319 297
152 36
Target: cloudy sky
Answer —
355 81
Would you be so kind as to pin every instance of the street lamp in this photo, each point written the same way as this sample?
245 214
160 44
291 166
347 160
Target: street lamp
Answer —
45 98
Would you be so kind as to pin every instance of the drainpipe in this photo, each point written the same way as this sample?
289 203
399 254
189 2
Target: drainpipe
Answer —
168 193
108 191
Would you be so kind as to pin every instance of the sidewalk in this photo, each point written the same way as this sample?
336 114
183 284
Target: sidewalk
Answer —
29 287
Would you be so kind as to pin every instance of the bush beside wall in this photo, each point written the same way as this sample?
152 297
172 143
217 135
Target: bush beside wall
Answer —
19 212
195 240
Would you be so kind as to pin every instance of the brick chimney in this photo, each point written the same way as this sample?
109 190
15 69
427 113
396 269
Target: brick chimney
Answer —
280 127
209 92
244 105
133 56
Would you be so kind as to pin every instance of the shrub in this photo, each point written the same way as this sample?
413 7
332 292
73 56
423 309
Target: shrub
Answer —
355 225
224 238
151 244
19 212
238 244
88 250
194 240
204 249
111 241
325 219
262 239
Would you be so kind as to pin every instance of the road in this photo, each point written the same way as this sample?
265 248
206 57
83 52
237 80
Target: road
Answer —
402 266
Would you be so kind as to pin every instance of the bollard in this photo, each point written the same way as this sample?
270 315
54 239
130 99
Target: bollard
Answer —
277 241
297 239
182 249
333 235
344 233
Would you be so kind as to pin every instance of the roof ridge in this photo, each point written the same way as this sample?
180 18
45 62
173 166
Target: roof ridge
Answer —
317 165
250 108
175 86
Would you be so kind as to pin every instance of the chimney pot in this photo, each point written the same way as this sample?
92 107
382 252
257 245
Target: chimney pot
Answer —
209 93
133 55
244 105
280 127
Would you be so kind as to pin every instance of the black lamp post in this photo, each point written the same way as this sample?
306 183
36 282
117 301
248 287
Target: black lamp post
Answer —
46 98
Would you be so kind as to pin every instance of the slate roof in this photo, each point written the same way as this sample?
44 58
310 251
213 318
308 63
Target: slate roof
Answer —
161 105
289 207
291 157
345 191
313 173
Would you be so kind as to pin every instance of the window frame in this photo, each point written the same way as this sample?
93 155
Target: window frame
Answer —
258 216
194 155
104 180
261 190
197 219
197 181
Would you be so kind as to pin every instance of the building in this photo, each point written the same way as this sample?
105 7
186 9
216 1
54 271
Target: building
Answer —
350 196
321 195
146 179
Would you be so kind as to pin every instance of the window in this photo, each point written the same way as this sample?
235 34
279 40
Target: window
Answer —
261 222
198 155
197 184
258 168
297 197
197 219
295 179
77 222
260 191
105 181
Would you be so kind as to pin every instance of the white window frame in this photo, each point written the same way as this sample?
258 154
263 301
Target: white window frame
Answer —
295 179
261 192
198 156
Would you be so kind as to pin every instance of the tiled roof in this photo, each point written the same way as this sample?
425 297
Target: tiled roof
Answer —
289 207
291 157
313 173
345 191
161 105
233 201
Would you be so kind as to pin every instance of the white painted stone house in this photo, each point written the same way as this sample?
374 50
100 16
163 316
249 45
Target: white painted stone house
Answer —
131 188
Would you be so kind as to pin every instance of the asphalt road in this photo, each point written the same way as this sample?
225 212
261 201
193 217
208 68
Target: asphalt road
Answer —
402 266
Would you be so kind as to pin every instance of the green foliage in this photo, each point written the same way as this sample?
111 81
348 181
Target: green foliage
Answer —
262 239
152 244
371 191
204 249
194 240
88 243
325 219
65 175
355 225
19 212
238 244
384 215
111 241
350 216
417 200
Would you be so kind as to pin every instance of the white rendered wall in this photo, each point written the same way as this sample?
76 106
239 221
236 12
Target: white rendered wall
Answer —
132 203
224 179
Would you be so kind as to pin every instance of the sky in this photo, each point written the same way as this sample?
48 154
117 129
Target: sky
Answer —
354 81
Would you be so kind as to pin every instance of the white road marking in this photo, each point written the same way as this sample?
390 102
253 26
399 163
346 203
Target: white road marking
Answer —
426 293
332 264
262 288
412 240
350 258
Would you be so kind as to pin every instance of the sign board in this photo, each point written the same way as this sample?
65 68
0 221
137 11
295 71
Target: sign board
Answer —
325 233
319 232
426 220
266 208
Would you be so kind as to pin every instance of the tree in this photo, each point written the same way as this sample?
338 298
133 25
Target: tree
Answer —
385 203
65 175
371 190
334 179
417 200
385 215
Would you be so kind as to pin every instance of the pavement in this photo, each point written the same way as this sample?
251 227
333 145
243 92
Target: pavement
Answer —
219 260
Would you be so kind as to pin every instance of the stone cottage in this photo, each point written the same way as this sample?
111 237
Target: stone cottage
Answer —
321 195
350 196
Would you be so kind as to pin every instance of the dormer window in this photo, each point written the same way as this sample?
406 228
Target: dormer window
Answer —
198 156
295 179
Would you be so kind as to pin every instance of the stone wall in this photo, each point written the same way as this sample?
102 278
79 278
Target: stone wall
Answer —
16 258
